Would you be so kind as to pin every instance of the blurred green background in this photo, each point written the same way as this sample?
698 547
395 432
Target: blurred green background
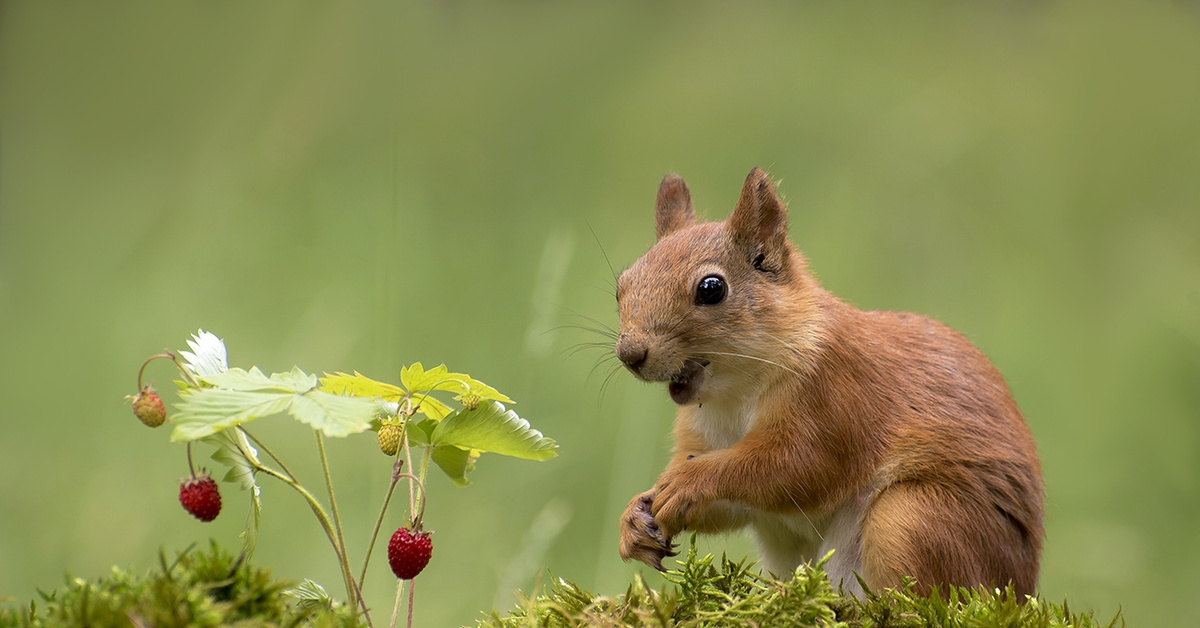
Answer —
360 186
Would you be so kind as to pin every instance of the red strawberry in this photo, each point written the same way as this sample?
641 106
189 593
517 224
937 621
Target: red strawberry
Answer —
409 552
148 407
200 497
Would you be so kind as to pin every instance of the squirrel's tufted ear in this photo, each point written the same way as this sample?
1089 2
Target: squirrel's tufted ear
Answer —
673 209
759 222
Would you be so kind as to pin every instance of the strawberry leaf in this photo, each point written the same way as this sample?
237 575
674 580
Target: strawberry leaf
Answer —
239 396
310 596
333 414
492 428
296 381
236 452
419 432
206 411
416 379
431 407
455 461
359 385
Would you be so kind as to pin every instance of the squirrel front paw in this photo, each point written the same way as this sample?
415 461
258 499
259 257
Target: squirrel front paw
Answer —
641 538
681 497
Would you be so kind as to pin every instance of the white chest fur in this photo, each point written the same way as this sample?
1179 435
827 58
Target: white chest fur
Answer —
723 424
788 540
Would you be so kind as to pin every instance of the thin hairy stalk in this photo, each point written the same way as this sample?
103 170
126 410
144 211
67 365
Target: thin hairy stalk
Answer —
412 508
351 589
267 450
352 593
168 355
337 519
412 492
387 499
396 605
412 590
191 470
424 468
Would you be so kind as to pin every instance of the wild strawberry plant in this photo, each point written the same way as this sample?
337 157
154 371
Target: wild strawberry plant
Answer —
449 419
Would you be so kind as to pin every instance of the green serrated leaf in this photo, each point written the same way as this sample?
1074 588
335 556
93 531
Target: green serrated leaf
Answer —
235 451
295 381
417 380
483 391
420 431
206 411
456 462
249 536
492 428
334 415
431 407
310 595
360 385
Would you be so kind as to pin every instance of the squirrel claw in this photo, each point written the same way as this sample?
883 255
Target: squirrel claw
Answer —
642 538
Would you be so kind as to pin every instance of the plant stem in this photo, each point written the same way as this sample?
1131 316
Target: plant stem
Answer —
412 589
353 591
412 508
191 469
396 605
267 450
387 499
168 355
412 492
340 542
424 468
418 515
337 520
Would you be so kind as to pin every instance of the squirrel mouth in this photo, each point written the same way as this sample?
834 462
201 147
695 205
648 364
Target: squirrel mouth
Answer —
685 385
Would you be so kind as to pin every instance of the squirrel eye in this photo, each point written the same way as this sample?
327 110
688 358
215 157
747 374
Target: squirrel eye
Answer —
711 290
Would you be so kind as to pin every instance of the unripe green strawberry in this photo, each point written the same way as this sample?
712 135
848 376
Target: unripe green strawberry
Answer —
200 497
408 552
470 401
389 438
148 407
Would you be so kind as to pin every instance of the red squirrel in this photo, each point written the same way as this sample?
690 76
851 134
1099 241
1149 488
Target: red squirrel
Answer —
885 436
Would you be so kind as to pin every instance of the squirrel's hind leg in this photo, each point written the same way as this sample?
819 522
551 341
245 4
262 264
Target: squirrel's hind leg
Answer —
941 538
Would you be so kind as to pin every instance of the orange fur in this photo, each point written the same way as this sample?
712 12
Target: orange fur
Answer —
886 436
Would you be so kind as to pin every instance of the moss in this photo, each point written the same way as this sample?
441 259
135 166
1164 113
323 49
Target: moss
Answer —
705 593
198 588
214 588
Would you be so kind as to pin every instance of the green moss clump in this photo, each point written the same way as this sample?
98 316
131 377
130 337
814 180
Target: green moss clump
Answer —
211 588
734 595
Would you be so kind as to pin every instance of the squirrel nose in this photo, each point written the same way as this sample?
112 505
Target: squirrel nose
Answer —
633 354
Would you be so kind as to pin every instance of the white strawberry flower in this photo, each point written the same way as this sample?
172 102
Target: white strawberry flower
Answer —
207 356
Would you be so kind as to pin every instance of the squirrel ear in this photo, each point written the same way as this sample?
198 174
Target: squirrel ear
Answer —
759 221
673 209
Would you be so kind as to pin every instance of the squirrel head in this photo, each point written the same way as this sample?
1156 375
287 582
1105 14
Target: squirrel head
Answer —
718 307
